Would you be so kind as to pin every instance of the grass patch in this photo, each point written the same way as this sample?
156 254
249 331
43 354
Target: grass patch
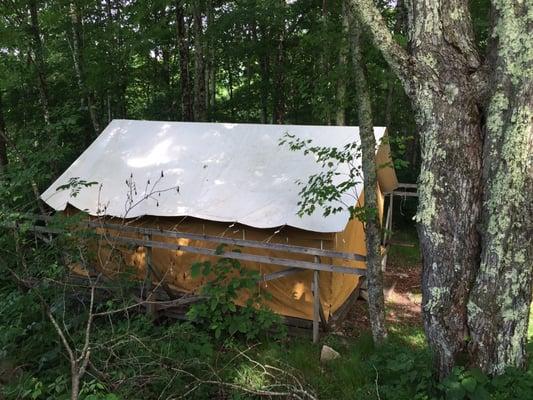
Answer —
405 256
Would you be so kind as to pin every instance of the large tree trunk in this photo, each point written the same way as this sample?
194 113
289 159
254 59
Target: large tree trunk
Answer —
450 193
437 78
38 60
450 175
498 311
376 300
445 82
183 50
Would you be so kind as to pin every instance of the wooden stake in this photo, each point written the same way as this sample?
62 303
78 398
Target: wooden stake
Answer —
316 307
150 309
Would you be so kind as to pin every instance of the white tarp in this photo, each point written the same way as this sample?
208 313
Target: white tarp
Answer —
225 172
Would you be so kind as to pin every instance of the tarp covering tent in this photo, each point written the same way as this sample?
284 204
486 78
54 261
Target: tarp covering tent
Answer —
219 179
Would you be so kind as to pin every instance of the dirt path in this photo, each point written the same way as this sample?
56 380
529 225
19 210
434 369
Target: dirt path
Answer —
402 295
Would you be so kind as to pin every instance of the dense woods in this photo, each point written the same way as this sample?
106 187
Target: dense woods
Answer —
451 80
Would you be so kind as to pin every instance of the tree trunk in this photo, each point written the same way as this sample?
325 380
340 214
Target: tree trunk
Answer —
446 84
210 73
278 97
38 60
79 67
450 176
376 300
437 78
264 66
323 61
200 111
3 141
342 70
183 50
498 311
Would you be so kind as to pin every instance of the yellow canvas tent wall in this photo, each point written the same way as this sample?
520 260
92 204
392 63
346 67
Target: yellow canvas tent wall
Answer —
127 149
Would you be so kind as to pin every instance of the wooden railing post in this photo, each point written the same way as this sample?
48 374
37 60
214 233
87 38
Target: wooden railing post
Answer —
150 308
387 234
316 306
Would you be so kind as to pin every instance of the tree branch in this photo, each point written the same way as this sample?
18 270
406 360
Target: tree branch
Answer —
395 55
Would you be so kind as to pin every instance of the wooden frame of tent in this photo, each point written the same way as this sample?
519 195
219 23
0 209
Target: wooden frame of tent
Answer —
292 266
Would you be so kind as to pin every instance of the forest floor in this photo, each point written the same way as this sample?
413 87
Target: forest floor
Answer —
403 295
400 369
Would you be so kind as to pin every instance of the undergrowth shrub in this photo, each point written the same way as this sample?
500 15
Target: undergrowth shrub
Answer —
226 281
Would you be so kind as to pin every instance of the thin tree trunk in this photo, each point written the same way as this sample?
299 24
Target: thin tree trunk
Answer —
166 76
498 311
79 67
264 66
210 74
278 98
323 62
342 70
376 300
3 141
183 50
200 112
230 89
38 60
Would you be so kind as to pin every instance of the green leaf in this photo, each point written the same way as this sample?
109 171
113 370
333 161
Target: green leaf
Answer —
469 383
196 269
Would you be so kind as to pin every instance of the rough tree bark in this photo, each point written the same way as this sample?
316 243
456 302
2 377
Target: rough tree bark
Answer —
376 300
183 50
498 310
445 81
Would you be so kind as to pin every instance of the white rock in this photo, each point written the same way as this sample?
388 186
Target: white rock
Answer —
328 354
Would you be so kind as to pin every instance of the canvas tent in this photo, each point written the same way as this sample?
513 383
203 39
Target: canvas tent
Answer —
223 180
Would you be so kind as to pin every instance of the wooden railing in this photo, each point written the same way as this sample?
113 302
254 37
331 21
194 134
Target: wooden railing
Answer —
148 238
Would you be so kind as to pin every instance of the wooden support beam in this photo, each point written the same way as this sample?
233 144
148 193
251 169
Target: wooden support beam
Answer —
240 256
148 279
316 306
387 235
215 239
229 241
408 185
403 193
308 265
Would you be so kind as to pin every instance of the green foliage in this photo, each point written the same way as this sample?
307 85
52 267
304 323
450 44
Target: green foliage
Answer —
227 280
75 185
329 188
339 176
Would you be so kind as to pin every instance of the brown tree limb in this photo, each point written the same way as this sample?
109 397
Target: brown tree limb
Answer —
396 56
